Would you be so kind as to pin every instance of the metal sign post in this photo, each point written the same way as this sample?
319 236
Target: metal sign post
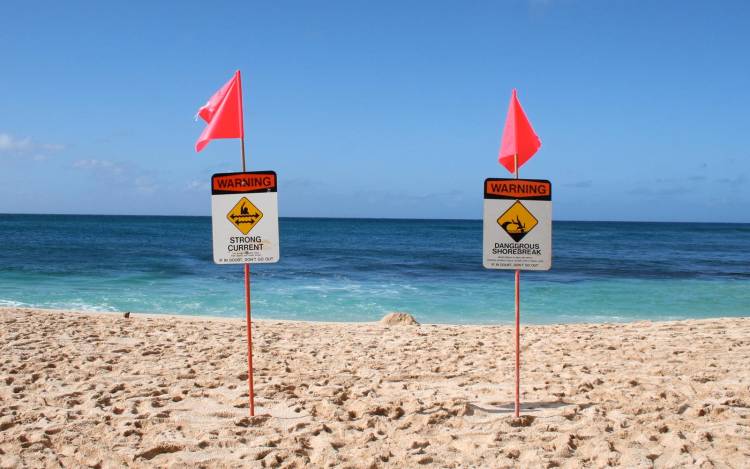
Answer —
517 236
245 230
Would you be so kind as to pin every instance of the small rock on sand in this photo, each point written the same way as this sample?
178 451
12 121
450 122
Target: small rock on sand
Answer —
126 314
399 319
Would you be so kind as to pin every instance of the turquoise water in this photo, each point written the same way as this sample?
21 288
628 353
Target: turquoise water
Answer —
359 269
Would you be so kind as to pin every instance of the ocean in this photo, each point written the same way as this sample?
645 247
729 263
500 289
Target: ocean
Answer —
360 269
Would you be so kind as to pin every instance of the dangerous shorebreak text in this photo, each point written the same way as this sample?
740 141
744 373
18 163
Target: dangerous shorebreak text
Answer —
517 249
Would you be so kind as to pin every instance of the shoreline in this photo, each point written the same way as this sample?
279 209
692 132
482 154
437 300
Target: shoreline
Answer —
353 323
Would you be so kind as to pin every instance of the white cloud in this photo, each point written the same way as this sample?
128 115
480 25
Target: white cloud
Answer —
15 145
123 175
145 185
104 166
197 185
10 143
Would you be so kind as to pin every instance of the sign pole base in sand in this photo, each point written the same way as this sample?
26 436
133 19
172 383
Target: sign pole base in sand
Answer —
249 322
248 318
518 343
518 323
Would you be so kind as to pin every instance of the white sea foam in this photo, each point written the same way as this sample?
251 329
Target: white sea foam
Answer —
78 305
12 304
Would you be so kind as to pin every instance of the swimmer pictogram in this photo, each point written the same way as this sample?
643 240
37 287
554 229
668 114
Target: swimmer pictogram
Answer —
244 215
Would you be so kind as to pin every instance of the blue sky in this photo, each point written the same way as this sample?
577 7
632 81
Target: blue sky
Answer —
378 109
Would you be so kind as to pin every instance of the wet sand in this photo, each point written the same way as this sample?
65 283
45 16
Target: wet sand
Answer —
100 390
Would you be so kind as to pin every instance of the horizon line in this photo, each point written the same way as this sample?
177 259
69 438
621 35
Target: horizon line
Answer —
363 218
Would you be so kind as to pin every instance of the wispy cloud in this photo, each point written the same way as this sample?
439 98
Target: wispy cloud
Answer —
101 166
26 146
580 184
539 7
9 143
384 198
198 185
734 180
124 175
145 184
693 184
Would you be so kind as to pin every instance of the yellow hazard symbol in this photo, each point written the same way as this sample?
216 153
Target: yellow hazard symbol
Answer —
517 221
244 215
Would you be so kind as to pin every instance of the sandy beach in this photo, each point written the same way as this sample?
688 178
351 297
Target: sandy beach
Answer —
101 390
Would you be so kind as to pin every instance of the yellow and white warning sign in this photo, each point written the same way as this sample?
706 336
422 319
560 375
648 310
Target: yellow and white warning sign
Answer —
517 224
244 218
244 215
517 221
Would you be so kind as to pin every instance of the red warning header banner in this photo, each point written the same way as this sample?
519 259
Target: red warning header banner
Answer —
243 183
520 189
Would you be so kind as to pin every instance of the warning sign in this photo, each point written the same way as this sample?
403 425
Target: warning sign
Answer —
244 218
517 221
244 215
517 224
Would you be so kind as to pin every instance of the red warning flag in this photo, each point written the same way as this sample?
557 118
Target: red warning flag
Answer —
519 137
223 113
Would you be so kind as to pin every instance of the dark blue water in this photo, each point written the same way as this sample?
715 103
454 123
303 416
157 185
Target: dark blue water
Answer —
357 270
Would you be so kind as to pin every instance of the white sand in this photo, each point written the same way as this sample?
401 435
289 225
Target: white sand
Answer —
103 391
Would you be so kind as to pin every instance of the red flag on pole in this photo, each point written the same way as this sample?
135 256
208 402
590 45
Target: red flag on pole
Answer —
223 114
519 137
